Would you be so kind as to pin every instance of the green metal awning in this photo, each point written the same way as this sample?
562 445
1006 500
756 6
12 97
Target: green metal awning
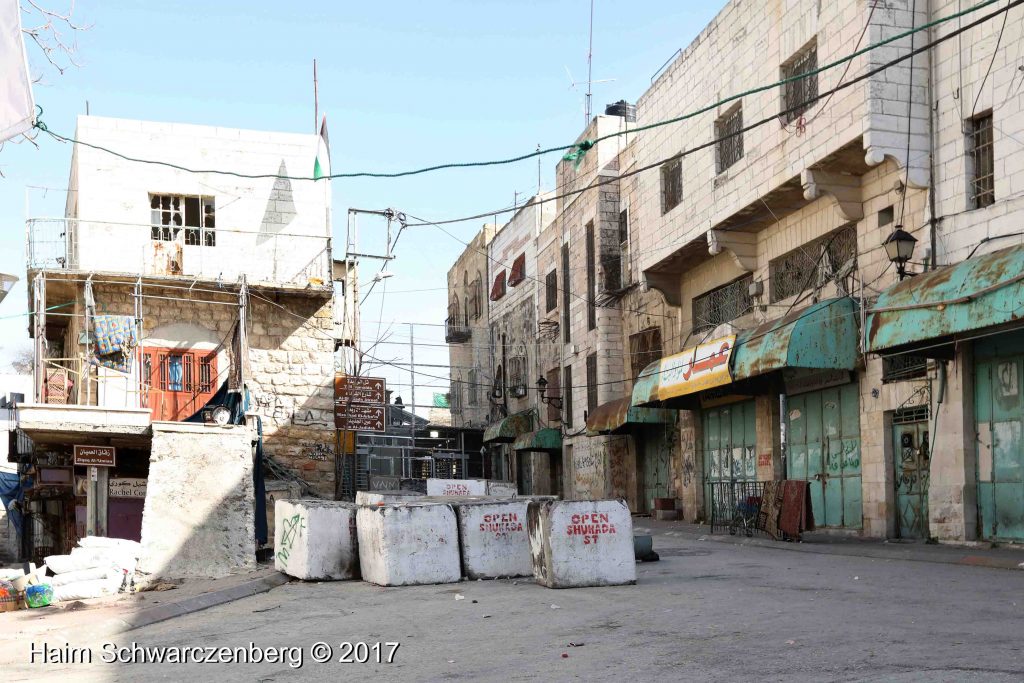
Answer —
941 304
548 440
822 336
508 429
618 416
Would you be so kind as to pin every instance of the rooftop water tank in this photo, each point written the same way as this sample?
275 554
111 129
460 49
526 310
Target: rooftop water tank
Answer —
621 108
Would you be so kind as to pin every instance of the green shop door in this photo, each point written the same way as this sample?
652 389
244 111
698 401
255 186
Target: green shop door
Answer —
729 442
824 449
654 456
1000 451
912 467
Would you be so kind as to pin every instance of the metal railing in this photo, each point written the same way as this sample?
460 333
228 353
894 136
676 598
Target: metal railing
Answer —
110 246
455 332
76 381
735 505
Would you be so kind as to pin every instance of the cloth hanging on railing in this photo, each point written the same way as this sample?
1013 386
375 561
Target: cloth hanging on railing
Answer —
114 342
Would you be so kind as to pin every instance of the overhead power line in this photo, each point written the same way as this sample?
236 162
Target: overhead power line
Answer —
582 146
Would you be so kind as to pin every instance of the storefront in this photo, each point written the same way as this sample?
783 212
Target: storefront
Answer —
967 466
500 462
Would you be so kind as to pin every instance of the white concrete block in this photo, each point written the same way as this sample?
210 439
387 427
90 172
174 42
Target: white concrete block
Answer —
386 497
401 545
581 543
494 540
316 539
502 489
456 487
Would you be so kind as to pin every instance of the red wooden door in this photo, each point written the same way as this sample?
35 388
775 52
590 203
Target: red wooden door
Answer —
179 382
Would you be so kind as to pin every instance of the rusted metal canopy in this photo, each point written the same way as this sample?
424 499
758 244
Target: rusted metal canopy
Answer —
980 292
822 336
508 429
620 415
547 440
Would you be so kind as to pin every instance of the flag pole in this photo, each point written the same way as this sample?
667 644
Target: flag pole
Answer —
316 102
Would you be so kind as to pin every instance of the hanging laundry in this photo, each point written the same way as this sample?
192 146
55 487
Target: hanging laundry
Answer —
115 340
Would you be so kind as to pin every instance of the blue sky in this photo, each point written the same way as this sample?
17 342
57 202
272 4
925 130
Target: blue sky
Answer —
404 85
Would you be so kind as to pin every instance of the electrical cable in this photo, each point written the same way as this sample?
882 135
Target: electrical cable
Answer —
582 146
995 51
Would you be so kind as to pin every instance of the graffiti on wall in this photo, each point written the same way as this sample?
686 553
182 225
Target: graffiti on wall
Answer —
316 450
280 409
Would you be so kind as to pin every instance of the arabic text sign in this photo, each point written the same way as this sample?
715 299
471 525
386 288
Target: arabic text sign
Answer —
95 456
348 389
360 418
126 487
700 367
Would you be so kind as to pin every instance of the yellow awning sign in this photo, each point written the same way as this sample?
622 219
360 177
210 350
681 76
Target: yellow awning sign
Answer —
700 367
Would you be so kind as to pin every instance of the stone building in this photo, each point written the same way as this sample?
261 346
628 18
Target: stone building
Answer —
180 319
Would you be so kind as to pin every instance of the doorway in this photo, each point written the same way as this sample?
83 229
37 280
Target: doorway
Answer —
912 464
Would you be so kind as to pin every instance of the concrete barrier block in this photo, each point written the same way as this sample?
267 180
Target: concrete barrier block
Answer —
456 487
316 539
408 544
502 489
493 539
386 497
581 543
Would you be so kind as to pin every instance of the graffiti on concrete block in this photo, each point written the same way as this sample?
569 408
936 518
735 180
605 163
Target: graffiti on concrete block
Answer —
291 529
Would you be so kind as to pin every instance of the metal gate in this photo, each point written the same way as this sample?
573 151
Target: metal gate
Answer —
1000 452
911 460
824 449
729 441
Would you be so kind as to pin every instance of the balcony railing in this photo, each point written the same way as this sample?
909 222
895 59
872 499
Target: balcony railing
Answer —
106 246
455 332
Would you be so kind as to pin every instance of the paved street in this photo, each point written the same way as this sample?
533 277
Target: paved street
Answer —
706 611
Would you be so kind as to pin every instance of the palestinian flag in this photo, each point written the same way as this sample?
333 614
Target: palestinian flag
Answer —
322 164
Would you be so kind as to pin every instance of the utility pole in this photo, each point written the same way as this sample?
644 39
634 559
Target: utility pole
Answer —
412 385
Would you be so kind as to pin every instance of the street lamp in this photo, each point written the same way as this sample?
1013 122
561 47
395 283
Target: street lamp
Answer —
542 387
899 247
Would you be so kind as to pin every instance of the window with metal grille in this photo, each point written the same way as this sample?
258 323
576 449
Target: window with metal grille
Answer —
591 278
813 264
517 381
644 349
554 394
551 291
591 382
169 214
566 282
456 396
801 94
722 305
903 367
624 275
729 136
567 395
671 185
982 161
474 305
471 388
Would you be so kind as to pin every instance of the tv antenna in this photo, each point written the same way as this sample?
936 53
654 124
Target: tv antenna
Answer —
588 98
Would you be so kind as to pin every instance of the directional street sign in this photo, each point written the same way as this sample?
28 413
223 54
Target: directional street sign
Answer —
359 389
360 418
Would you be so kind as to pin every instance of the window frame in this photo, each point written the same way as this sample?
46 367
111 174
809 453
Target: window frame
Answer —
981 181
671 184
169 216
729 150
799 96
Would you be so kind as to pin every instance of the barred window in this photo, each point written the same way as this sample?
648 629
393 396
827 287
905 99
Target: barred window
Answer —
517 382
729 136
591 277
471 389
722 305
566 336
644 349
169 214
456 396
813 264
982 161
800 95
554 394
567 396
671 185
474 306
551 291
902 367
591 382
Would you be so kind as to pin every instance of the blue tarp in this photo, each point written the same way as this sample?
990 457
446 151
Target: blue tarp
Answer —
11 490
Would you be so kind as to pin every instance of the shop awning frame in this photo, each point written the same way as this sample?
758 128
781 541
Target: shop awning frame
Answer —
926 312
508 429
620 415
547 440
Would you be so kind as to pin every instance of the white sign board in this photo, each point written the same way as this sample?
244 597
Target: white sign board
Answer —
126 487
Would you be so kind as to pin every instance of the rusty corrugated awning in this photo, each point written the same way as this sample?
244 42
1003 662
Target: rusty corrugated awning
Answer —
979 292
615 417
822 336
508 429
547 440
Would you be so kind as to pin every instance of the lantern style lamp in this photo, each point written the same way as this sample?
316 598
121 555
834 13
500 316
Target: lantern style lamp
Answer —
899 247
542 387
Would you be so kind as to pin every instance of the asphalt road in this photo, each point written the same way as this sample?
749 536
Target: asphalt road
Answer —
706 611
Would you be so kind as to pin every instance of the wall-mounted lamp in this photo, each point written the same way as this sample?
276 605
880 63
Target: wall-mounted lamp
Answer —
899 247
542 387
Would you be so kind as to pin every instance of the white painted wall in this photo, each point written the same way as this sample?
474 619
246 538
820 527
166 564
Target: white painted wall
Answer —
269 230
